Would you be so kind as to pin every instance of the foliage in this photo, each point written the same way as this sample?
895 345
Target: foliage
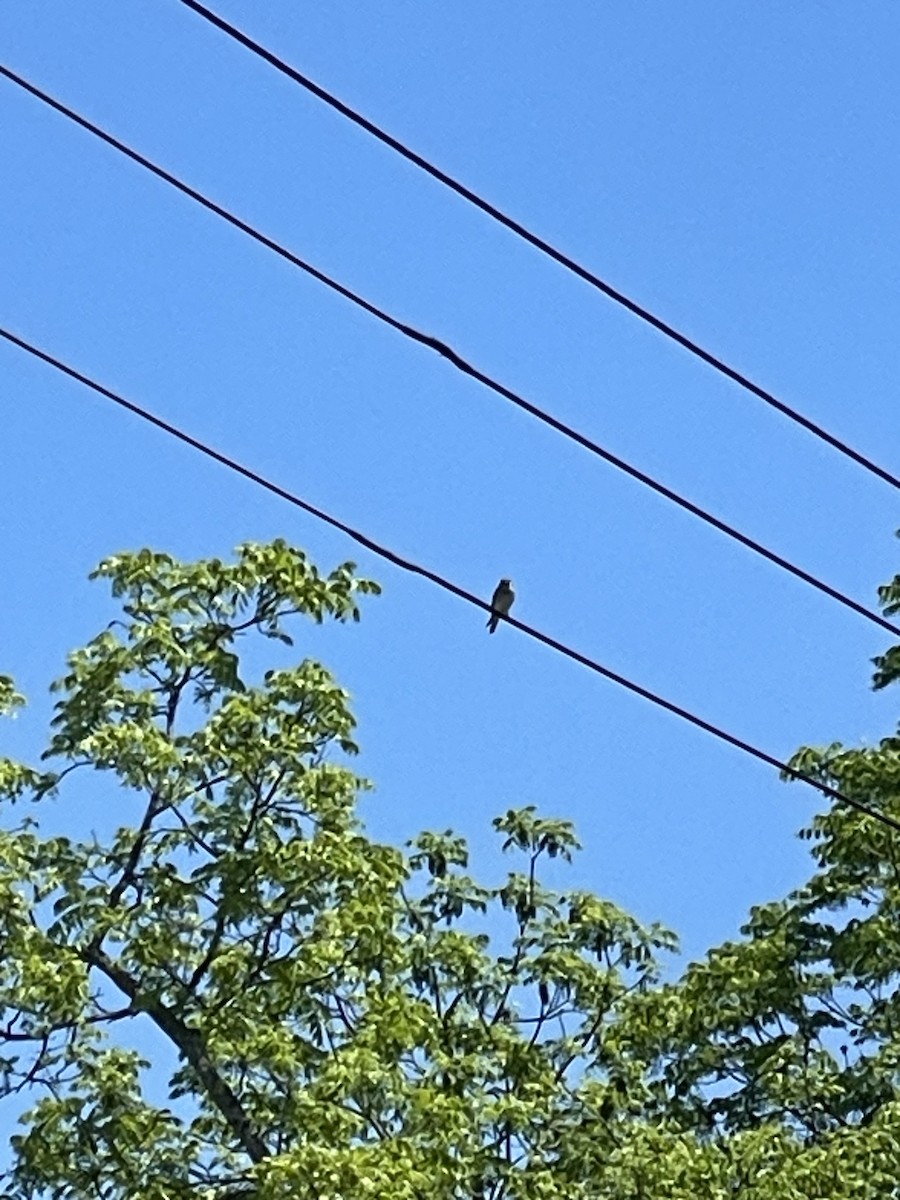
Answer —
351 1020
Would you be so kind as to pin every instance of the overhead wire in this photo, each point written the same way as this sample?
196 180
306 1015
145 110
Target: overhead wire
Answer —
456 360
545 247
447 585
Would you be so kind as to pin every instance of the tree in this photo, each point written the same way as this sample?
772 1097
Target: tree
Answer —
354 1020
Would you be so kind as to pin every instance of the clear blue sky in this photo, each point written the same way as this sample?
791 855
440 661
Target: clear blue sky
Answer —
733 167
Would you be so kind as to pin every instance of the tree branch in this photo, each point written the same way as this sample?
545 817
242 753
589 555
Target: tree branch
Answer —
192 1048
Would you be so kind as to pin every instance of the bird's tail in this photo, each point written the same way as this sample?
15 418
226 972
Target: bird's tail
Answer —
492 623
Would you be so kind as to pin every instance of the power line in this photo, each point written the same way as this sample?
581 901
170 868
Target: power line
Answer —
543 246
458 361
408 565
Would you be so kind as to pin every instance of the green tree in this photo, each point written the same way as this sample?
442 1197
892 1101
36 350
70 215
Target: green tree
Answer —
353 1020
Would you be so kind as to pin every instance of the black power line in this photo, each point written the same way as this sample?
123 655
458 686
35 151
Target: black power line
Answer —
540 244
408 565
457 361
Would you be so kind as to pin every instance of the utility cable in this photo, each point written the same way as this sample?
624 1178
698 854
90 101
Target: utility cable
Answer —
406 564
543 246
458 362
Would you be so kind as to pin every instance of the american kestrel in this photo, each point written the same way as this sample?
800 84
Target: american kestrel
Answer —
501 603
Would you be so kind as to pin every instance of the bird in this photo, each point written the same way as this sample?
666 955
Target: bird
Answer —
501 603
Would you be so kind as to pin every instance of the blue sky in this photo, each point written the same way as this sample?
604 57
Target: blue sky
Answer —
733 167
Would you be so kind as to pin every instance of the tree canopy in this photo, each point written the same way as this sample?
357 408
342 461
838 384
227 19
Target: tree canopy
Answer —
353 1019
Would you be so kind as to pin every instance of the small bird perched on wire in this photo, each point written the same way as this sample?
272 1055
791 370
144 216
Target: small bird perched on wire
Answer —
501 603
